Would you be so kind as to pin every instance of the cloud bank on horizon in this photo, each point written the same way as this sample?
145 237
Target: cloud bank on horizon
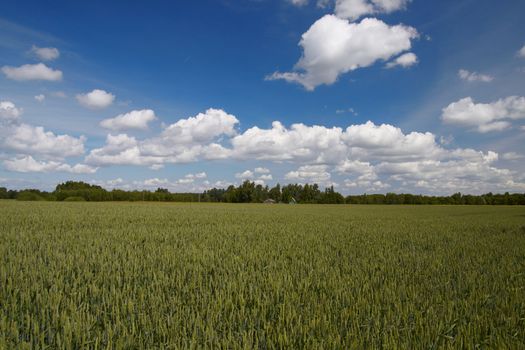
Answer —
219 147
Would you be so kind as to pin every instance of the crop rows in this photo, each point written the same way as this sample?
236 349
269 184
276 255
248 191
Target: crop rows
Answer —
146 275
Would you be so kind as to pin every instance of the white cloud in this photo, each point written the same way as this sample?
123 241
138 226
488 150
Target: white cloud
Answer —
298 2
185 141
474 77
120 150
29 164
30 139
96 99
248 174
26 141
201 175
32 72
512 156
263 174
46 53
9 111
369 157
180 185
204 127
261 170
185 181
485 117
387 141
355 167
40 98
494 126
354 9
319 144
474 174
156 166
521 52
333 46
299 143
156 182
221 184
310 173
366 185
405 60
266 177
132 120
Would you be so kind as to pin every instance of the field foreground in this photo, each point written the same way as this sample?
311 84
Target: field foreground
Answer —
146 275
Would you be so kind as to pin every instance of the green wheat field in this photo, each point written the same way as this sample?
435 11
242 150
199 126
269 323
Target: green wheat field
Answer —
170 276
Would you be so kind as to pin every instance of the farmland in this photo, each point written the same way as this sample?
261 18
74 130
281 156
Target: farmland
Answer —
165 275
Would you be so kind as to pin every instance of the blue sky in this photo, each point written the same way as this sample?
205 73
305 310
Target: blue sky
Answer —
365 95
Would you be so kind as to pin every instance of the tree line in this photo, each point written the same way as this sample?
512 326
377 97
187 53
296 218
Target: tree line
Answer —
249 192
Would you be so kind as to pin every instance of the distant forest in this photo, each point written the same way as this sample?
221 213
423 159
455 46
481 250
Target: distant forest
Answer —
249 192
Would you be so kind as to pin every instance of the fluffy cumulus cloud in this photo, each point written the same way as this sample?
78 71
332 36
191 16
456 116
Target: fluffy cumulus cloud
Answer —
405 60
453 170
45 53
475 172
318 144
40 98
37 71
187 140
372 157
29 164
363 170
201 175
29 139
354 9
120 149
258 175
300 143
9 111
474 77
371 141
485 117
309 173
362 157
521 52
26 139
202 128
245 175
132 120
261 170
96 99
334 46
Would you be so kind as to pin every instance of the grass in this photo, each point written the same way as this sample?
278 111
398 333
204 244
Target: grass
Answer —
146 275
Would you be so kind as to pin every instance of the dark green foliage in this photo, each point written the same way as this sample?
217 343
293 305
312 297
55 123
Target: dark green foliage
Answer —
249 192
455 199
30 195
74 199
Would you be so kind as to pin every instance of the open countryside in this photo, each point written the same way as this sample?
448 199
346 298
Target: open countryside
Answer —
190 275
262 174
